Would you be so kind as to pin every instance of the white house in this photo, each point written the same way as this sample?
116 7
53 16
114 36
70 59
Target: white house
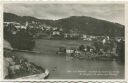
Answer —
55 33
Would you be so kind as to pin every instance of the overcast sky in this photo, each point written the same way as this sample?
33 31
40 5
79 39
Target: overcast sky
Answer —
110 12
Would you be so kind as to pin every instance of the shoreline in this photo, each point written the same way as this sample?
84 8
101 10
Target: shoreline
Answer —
30 51
37 76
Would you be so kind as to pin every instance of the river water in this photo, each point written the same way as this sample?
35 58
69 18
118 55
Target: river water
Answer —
61 68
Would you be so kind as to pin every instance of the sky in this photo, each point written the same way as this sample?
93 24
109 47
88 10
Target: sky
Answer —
109 12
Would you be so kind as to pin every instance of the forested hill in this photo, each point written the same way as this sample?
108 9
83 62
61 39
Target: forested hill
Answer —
82 24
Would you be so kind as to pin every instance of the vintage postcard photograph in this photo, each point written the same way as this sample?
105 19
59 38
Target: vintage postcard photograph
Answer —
63 41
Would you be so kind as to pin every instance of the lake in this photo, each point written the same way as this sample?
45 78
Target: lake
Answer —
62 67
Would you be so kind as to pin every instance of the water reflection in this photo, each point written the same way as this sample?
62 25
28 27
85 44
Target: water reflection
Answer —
60 68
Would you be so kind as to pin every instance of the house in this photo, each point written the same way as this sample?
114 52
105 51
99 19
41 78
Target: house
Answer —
65 35
14 23
46 27
7 23
84 36
119 38
54 28
104 41
55 33
23 27
87 37
71 35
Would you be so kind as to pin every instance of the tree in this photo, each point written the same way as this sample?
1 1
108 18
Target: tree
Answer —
23 40
98 45
81 47
120 50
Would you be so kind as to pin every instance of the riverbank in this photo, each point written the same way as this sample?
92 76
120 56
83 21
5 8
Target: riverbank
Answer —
16 66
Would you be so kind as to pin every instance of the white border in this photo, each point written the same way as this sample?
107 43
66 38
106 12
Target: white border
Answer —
1 39
126 40
62 2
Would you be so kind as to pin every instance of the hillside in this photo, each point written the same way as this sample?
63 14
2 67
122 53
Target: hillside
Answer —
82 24
91 26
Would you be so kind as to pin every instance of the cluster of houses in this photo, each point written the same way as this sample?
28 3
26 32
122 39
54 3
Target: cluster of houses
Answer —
88 52
103 50
43 30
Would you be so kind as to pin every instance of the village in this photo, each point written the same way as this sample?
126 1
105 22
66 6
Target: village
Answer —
101 46
38 30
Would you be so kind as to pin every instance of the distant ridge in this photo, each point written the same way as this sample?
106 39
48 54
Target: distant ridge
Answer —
83 24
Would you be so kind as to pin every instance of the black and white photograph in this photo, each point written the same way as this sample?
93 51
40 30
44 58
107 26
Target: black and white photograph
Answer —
63 41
